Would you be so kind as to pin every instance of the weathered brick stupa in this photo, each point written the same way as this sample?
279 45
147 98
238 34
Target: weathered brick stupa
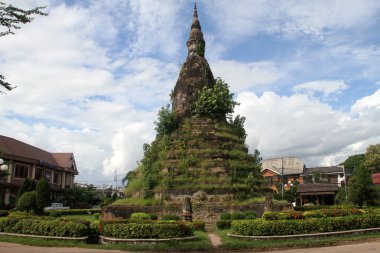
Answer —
203 156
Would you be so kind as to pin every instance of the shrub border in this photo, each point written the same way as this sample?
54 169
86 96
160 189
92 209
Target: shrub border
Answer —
108 240
84 238
347 232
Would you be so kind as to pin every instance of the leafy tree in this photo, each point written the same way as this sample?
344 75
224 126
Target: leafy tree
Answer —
372 158
28 186
238 125
43 194
27 201
10 20
353 162
81 197
167 121
216 101
361 189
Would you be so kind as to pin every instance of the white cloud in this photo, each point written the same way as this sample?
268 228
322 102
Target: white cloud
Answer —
327 87
242 76
299 125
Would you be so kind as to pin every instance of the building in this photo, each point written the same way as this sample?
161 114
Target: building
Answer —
316 193
329 174
376 178
285 169
27 161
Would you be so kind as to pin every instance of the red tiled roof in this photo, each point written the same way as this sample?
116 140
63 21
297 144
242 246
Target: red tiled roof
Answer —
376 178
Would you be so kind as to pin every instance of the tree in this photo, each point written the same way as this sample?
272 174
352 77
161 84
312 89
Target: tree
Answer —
361 189
81 197
238 125
216 101
43 194
372 158
167 121
10 20
27 202
28 186
353 162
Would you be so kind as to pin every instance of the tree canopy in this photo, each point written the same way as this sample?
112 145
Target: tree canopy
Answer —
353 162
372 158
11 18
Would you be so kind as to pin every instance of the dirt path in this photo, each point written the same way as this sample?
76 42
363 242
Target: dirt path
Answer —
216 241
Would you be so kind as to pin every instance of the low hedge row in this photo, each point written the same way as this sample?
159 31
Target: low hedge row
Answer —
223 224
43 227
317 207
58 213
4 213
261 227
155 229
319 213
248 215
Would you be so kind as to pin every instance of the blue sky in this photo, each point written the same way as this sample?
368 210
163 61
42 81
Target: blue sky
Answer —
92 75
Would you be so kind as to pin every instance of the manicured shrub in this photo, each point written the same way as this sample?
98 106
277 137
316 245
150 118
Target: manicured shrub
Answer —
198 225
275 215
96 215
261 227
223 224
237 216
43 194
4 213
36 226
225 216
171 217
140 216
146 229
27 201
323 213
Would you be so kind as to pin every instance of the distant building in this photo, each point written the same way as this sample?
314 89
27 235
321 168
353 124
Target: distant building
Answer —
287 169
376 178
27 161
329 174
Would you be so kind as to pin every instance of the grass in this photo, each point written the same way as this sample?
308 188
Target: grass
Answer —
249 201
202 243
136 201
243 244
88 217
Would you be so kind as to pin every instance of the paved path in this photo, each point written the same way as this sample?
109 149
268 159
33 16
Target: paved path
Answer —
365 247
216 241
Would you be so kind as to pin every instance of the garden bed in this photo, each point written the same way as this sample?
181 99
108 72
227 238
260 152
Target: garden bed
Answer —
110 240
66 238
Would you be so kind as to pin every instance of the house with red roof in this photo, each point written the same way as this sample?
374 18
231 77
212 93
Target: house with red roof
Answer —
26 161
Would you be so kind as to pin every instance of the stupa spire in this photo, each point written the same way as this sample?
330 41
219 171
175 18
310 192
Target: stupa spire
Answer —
196 43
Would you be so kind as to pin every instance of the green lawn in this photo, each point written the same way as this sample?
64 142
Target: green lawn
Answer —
202 243
240 244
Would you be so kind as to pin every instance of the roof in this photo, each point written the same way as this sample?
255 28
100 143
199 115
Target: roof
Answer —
317 187
285 165
13 147
16 149
327 169
376 178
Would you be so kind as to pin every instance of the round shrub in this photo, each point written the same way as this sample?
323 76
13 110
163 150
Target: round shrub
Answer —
27 201
153 216
171 217
225 216
96 215
139 216
250 215
274 215
237 216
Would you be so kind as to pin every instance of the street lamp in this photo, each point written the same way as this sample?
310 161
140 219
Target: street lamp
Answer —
3 166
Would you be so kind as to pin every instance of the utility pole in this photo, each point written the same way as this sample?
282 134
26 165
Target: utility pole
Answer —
282 178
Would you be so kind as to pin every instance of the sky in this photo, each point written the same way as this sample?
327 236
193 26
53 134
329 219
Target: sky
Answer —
92 75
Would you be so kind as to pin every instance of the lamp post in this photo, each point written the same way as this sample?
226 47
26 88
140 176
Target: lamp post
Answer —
3 166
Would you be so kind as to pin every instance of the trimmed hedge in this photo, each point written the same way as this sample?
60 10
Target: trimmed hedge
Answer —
283 215
198 225
323 213
140 216
317 207
58 213
44 227
145 229
261 227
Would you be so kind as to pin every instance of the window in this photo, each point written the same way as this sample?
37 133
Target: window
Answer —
55 178
39 174
21 170
48 176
